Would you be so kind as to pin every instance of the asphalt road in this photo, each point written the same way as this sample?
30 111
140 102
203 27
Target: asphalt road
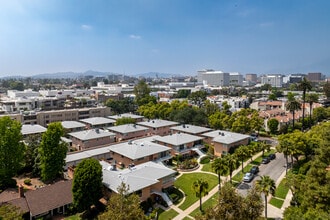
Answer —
274 169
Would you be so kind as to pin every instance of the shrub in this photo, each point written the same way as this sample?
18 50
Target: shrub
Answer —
27 182
205 160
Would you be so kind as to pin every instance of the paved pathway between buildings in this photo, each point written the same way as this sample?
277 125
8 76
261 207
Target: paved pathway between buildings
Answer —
273 212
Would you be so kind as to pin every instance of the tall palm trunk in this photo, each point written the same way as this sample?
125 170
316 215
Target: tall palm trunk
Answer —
265 206
200 200
303 111
310 114
219 180
293 120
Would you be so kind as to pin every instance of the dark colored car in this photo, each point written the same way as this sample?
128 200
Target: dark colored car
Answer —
271 156
265 160
254 170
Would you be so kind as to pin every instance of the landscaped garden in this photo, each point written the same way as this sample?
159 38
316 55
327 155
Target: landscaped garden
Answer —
184 182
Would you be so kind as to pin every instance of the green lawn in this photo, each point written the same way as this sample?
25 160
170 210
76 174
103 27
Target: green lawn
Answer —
276 202
186 218
281 190
207 167
239 176
208 203
73 217
185 182
166 215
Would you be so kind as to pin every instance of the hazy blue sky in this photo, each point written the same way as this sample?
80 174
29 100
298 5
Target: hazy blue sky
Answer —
170 36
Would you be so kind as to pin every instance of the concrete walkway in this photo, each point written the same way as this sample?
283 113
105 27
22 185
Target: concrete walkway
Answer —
272 211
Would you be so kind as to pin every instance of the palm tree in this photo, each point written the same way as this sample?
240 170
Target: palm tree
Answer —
311 98
200 187
232 163
292 106
242 153
266 185
304 85
220 167
262 145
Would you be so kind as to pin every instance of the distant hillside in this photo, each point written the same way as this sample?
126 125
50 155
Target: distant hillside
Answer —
72 74
156 74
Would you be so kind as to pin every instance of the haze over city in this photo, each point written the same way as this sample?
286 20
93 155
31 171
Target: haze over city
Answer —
177 37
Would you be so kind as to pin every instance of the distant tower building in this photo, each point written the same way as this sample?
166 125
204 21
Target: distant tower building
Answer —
251 77
314 77
293 78
213 78
235 79
275 80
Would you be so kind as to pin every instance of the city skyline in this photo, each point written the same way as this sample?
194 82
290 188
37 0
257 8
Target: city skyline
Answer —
175 37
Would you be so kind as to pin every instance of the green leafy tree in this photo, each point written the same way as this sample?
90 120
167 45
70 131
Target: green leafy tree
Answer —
10 212
142 93
125 120
326 89
183 93
252 205
198 97
229 206
256 122
52 152
32 154
311 98
121 106
273 125
266 185
11 150
210 108
87 184
304 86
217 119
200 187
220 167
293 106
263 146
321 113
123 206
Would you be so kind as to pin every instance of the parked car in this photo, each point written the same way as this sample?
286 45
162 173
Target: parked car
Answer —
254 170
248 177
265 160
271 156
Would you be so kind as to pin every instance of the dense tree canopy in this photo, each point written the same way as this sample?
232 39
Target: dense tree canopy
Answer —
87 184
232 206
142 93
125 120
123 206
52 152
11 149
312 195
121 106
273 125
10 212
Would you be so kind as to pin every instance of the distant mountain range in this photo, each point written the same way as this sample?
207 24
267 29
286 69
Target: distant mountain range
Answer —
93 73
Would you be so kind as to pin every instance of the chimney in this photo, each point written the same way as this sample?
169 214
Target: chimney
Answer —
21 190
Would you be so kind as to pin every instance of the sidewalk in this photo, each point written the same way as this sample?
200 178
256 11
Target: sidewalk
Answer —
185 213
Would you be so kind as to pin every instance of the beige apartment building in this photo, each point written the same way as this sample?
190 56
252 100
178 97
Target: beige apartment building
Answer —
43 118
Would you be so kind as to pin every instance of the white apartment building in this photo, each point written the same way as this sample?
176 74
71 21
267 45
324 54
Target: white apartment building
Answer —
213 78
275 80
235 79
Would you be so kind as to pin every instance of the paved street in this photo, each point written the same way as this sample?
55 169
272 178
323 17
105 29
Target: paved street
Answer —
274 169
